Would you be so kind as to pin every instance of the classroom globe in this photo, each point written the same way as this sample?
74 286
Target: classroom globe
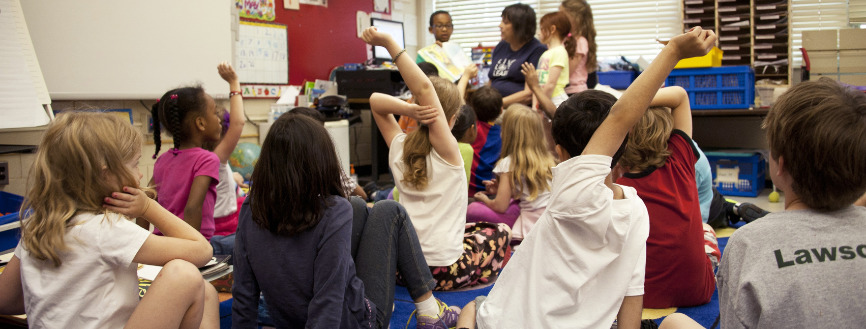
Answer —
243 159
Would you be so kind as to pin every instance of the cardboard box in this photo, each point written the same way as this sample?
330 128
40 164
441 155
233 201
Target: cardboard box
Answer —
852 39
852 61
820 40
823 62
857 80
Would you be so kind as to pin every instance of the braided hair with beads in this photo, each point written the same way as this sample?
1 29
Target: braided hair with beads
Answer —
173 111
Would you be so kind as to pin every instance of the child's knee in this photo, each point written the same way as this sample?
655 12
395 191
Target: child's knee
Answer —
182 273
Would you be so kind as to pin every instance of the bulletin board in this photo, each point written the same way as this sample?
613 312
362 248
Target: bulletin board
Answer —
262 53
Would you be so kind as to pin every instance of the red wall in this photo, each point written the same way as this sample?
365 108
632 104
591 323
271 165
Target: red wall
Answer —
321 38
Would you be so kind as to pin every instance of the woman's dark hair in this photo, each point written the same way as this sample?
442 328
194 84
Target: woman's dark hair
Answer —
465 120
522 19
173 111
296 173
578 117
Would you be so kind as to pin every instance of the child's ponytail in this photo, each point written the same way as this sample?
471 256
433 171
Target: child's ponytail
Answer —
417 145
157 139
570 44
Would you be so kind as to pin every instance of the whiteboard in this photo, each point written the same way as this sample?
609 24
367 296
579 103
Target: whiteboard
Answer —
108 49
22 89
262 53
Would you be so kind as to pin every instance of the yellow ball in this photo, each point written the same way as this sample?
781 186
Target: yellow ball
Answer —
774 196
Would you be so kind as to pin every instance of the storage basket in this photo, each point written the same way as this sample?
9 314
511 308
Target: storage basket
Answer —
716 88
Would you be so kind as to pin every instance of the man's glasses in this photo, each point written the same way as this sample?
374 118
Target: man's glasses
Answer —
446 26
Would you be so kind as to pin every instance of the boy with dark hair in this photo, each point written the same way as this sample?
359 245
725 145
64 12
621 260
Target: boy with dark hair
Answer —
804 267
451 62
582 265
487 104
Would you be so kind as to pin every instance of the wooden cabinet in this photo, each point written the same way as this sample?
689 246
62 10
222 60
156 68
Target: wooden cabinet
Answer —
751 32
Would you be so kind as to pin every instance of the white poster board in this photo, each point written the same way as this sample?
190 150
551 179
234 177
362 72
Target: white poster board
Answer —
262 53
106 49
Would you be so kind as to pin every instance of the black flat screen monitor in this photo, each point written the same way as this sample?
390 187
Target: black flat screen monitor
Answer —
395 29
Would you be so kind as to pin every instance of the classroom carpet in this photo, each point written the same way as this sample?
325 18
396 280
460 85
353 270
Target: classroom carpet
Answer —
705 314
402 317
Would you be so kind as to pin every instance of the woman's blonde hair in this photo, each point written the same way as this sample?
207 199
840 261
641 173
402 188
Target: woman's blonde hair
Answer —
647 145
81 159
523 140
417 145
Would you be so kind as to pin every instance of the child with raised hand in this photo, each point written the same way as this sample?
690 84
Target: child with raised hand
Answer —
523 173
428 170
548 82
186 176
343 255
226 204
590 242
660 162
76 264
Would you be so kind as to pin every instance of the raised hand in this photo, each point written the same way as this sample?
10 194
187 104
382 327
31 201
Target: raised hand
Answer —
132 202
373 37
696 42
227 72
530 73
471 71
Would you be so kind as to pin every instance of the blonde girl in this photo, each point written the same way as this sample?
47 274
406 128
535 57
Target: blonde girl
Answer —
428 170
523 172
76 264
548 82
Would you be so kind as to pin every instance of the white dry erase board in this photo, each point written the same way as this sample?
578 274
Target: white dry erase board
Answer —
22 89
107 49
262 53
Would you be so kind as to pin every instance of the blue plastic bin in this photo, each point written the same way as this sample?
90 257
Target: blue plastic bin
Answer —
9 204
617 79
716 88
749 168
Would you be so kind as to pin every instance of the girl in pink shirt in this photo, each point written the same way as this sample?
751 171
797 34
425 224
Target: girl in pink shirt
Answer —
186 176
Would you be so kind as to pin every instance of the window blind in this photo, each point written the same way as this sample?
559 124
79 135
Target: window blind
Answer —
624 27
809 15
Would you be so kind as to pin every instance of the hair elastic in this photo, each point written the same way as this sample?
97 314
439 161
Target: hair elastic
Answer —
173 96
568 36
239 93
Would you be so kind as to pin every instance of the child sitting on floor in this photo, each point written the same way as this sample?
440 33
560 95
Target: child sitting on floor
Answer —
523 173
804 267
583 263
487 103
428 170
660 159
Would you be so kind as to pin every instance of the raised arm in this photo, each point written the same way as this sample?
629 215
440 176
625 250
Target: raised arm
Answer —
635 100
468 73
430 110
677 99
544 101
236 113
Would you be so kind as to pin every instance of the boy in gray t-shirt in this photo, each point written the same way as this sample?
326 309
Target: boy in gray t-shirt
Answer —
805 267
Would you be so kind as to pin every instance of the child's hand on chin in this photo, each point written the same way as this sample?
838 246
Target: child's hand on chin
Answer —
131 202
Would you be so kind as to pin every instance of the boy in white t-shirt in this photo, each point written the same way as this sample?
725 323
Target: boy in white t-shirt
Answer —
582 265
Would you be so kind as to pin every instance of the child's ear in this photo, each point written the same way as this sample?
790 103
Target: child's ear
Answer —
562 153
200 123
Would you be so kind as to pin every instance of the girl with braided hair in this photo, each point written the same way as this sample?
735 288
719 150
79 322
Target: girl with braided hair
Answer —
185 177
